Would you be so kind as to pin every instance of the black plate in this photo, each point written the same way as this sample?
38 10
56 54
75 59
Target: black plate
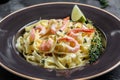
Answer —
14 63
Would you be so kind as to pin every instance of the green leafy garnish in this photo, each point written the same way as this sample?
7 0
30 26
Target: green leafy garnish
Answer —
103 3
97 47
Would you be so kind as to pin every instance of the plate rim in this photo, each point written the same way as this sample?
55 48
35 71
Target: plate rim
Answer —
49 3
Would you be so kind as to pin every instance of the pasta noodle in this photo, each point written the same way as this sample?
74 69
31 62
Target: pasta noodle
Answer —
57 43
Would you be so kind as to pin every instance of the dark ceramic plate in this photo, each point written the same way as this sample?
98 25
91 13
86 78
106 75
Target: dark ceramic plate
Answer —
14 63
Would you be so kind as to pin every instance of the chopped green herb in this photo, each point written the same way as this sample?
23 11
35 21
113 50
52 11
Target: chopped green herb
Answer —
96 48
43 61
60 30
65 32
72 27
84 40
103 3
31 43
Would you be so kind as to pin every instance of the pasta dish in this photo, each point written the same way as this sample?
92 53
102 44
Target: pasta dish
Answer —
59 43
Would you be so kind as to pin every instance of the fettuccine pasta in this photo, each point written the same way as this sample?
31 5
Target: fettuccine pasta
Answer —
57 43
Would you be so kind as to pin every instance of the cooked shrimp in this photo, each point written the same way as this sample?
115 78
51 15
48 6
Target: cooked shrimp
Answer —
54 26
64 24
42 29
73 32
66 18
46 45
32 35
71 48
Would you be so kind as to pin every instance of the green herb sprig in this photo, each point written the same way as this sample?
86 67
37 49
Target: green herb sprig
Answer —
103 3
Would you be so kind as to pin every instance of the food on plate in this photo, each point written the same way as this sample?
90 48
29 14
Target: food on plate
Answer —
61 43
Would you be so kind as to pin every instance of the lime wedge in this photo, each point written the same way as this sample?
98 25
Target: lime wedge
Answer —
77 14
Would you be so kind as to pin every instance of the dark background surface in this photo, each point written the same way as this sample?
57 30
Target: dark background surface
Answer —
13 5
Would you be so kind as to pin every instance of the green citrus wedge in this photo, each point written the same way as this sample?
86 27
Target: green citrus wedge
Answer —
77 14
